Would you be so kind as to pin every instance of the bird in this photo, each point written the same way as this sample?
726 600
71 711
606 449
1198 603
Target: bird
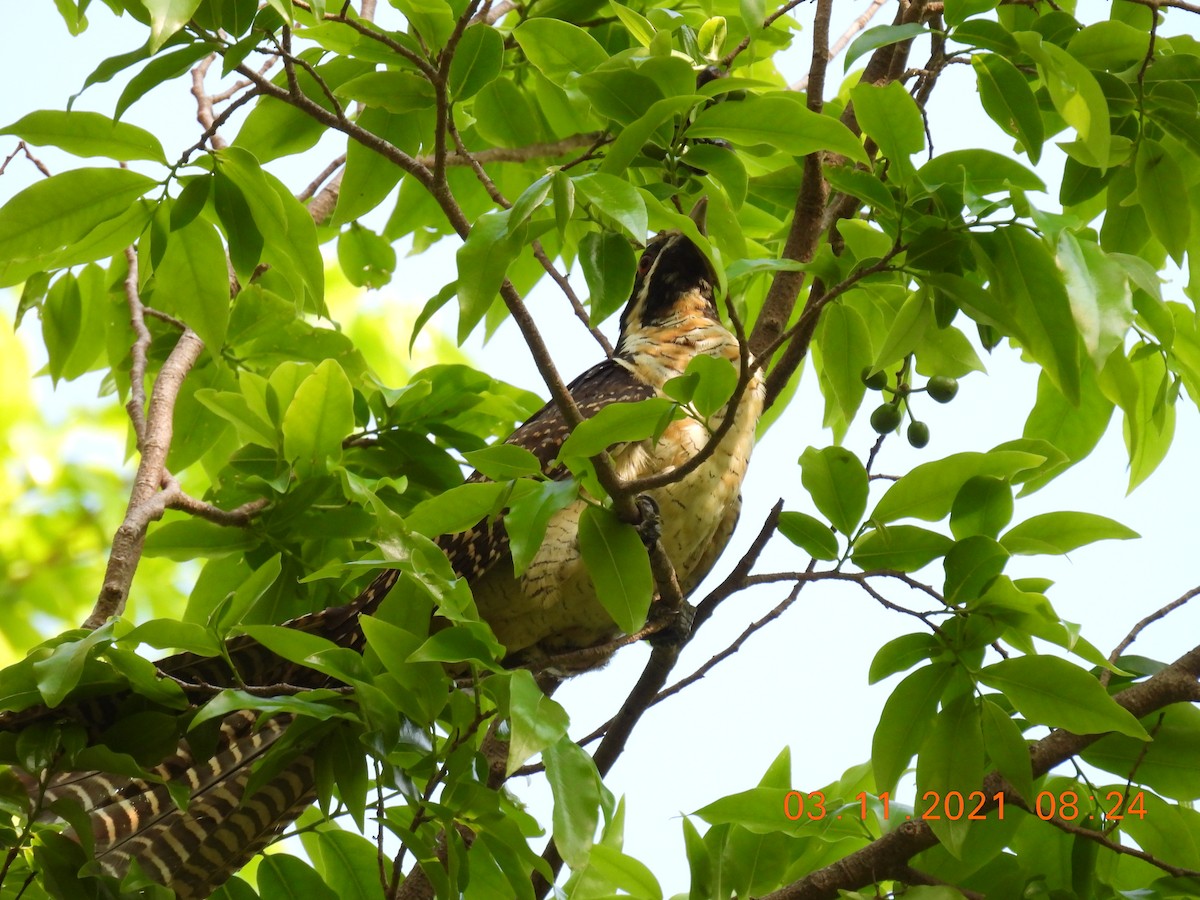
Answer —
549 612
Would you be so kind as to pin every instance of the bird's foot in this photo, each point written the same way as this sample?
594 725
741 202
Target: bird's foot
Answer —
675 627
649 526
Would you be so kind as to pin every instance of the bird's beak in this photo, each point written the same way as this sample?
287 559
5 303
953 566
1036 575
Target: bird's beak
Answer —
699 215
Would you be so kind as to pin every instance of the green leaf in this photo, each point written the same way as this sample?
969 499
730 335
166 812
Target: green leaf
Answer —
837 482
289 878
902 653
810 535
1158 193
1050 691
907 716
983 505
905 548
61 314
1162 764
367 259
161 68
637 25
779 121
1150 422
558 48
455 510
1026 280
351 862
191 538
890 116
503 462
537 721
245 240
615 424
575 785
433 20
616 199
527 518
609 267
1074 92
483 262
1075 430
951 760
397 92
1062 532
928 491
192 282
87 134
166 18
881 36
1007 748
911 321
844 343
618 565
624 872
982 171
319 417
1009 100
1110 45
52 213
633 138
478 60
1098 290
970 565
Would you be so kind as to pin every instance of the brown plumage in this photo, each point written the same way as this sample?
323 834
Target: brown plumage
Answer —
550 610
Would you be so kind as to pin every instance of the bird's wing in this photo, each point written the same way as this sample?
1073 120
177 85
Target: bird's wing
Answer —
475 551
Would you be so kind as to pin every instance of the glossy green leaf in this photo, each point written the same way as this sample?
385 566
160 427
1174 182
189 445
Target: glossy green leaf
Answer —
1007 748
557 48
780 122
609 267
167 17
483 262
951 760
618 200
881 36
1098 290
478 60
537 721
367 259
970 565
983 505
1026 280
837 482
900 654
349 861
911 321
192 282
617 423
394 91
905 548
981 171
1050 691
245 240
528 516
618 565
289 878
845 350
54 212
907 716
1074 92
810 535
576 789
87 134
1009 100
637 25
319 417
1062 532
501 462
890 116
624 872
928 491
1160 764
1158 194
455 510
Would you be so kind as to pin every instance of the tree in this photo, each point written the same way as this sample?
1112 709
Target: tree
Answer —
540 135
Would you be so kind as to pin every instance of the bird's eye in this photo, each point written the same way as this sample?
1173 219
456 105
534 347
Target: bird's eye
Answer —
645 262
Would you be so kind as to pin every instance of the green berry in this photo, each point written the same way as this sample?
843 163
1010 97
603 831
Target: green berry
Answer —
876 381
886 418
918 434
942 388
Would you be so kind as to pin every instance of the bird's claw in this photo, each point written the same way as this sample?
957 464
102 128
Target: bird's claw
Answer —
677 625
649 526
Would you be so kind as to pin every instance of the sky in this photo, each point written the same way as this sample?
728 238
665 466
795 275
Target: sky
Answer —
803 681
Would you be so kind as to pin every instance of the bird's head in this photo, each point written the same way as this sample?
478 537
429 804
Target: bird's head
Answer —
674 280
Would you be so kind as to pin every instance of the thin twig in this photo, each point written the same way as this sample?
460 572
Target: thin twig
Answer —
840 44
1141 626
22 147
